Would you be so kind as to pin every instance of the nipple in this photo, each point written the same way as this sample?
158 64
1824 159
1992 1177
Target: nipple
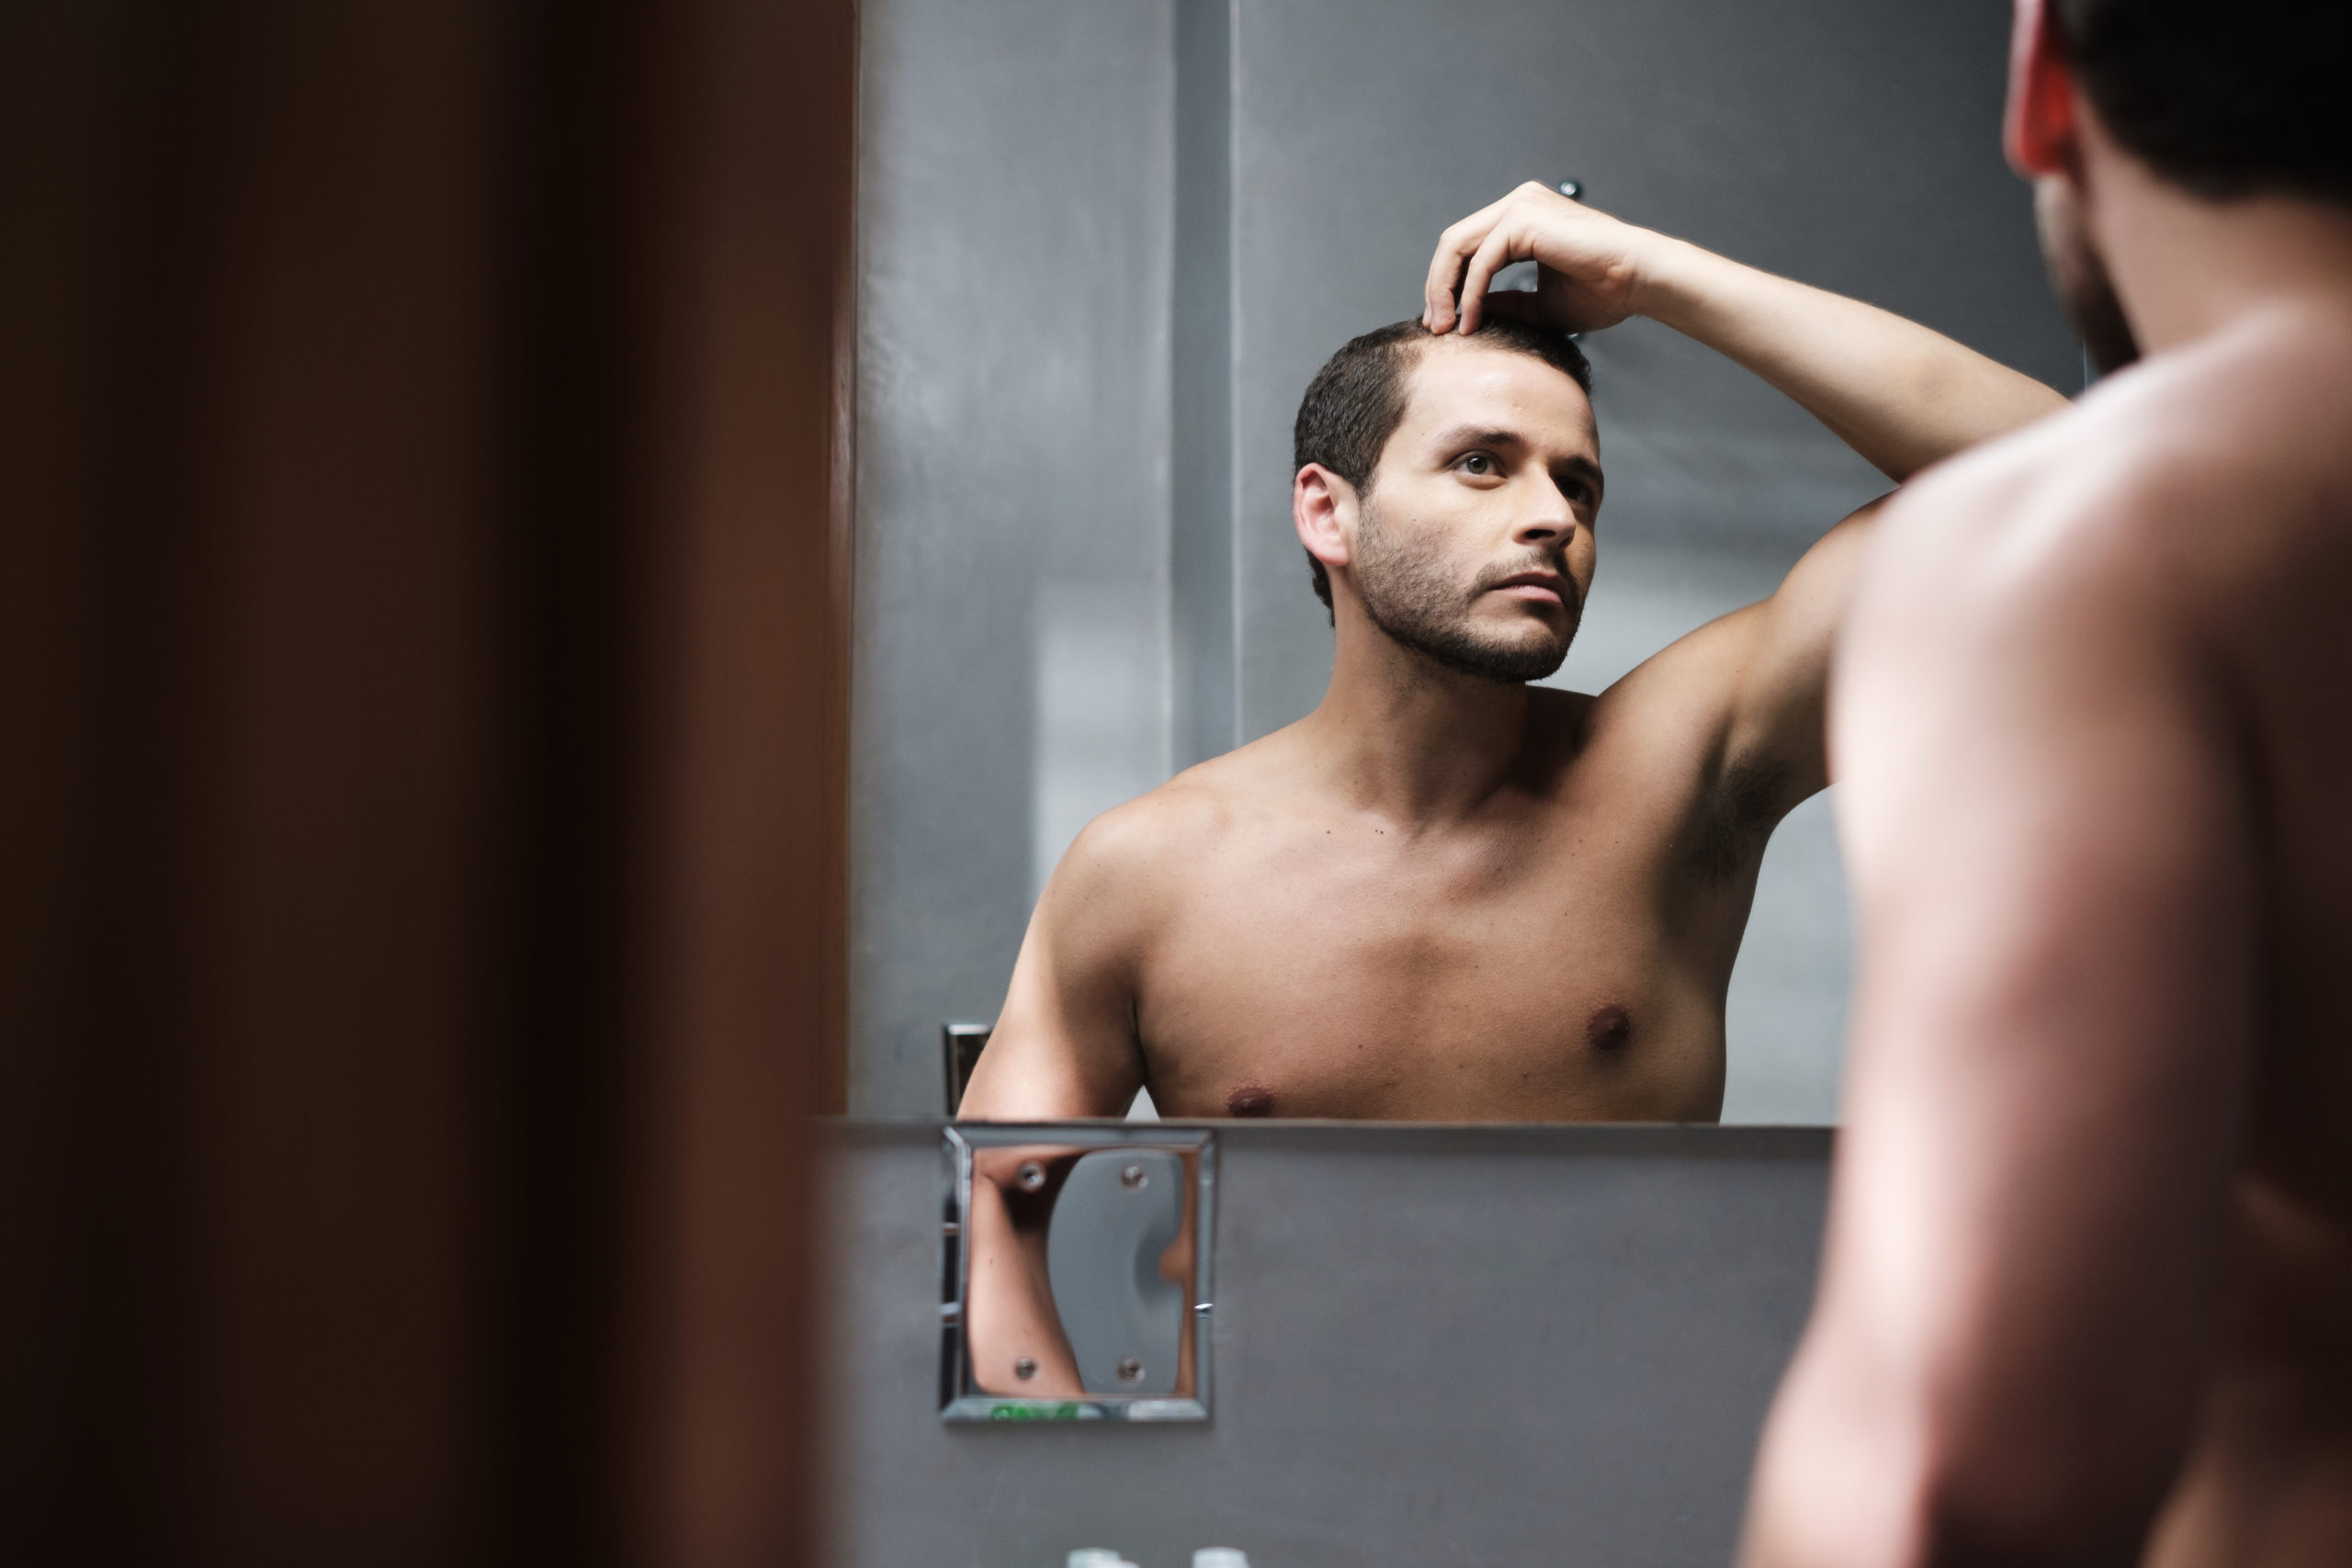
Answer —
1609 1028
1250 1099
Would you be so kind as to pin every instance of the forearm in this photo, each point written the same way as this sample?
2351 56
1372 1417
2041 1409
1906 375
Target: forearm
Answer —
1899 394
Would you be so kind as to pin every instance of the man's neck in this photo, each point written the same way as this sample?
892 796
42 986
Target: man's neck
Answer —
1402 736
2186 267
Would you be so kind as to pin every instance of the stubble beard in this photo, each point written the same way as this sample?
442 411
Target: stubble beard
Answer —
2078 275
1410 598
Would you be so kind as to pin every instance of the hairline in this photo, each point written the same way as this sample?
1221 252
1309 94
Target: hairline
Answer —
1420 349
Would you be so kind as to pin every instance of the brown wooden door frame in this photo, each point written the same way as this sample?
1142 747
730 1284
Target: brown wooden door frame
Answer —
422 666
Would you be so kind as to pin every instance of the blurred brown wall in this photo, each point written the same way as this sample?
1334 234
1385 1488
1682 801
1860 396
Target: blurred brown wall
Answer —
422 587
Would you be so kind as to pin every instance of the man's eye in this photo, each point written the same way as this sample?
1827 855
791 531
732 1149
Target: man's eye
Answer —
1478 463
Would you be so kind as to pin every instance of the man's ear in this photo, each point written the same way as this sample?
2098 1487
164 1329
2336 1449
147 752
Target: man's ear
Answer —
1323 509
2039 131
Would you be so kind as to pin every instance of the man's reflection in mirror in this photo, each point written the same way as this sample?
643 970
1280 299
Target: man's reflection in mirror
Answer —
1014 1336
1011 1333
1447 893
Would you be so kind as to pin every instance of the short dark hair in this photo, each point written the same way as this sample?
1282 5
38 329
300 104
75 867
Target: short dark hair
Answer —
2224 100
1357 399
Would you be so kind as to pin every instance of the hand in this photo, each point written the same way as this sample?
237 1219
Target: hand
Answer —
1588 265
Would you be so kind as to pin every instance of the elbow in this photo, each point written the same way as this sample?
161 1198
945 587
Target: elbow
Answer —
2033 1493
1862 1476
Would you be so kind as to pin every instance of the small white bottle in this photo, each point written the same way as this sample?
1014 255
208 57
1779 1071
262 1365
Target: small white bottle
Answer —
1095 1557
1220 1557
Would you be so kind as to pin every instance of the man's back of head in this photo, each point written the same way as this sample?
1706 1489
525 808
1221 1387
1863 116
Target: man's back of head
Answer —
2225 100
2219 105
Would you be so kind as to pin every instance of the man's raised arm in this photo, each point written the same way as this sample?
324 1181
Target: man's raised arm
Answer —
1898 393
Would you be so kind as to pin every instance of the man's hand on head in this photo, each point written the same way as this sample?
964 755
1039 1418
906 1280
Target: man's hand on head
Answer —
1588 264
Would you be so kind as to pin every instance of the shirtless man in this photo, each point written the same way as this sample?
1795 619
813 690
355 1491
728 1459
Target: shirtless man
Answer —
1445 895
2088 1297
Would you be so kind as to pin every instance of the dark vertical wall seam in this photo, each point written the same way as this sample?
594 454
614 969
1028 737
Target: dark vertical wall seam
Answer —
1201 407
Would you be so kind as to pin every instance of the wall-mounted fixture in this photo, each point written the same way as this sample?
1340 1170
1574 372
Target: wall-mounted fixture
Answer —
959 1048
1075 1272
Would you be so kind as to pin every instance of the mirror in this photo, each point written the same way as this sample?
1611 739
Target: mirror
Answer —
1094 282
1075 1273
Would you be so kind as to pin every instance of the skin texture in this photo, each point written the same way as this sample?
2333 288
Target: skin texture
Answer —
2089 1276
1443 897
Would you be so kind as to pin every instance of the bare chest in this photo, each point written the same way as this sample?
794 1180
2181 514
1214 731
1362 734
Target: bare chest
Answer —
1527 974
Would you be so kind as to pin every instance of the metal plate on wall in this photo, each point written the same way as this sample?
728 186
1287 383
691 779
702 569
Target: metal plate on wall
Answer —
1075 1272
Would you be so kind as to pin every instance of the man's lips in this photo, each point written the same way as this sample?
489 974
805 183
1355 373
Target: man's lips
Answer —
1535 587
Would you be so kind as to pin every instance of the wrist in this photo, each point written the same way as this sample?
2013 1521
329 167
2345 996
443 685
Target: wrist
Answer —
1670 281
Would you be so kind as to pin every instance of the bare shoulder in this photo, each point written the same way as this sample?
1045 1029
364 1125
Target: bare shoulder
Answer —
1138 857
2181 490
2051 621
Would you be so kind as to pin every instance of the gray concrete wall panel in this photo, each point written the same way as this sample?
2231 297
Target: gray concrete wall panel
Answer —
1206 718
1010 660
1433 1347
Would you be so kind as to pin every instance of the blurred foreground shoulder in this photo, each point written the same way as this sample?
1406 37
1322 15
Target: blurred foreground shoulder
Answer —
2098 512
2190 486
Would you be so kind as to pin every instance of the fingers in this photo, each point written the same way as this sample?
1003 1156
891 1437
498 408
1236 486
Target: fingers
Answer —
1469 253
1457 243
1495 251
1455 247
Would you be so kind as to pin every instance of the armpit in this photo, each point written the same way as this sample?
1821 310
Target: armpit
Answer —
1738 816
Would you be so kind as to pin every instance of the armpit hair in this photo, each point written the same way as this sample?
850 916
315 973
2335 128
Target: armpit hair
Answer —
1739 814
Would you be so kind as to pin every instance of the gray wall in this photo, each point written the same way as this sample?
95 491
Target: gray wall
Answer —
1432 1346
1103 248
1010 642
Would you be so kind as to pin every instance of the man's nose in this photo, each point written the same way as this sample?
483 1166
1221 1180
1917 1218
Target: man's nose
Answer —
1547 516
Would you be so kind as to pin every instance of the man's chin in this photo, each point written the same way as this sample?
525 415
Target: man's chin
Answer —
1539 663
1509 663
1508 650
1536 648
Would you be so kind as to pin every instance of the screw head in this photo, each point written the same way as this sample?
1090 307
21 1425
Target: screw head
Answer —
1031 1176
1130 1370
1025 1368
1134 1175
